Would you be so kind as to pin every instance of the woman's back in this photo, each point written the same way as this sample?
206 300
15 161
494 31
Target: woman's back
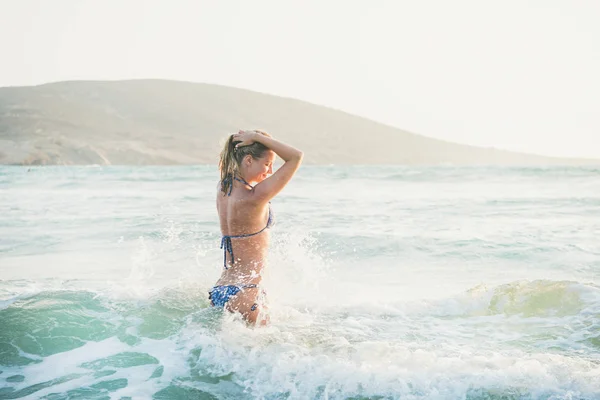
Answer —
244 228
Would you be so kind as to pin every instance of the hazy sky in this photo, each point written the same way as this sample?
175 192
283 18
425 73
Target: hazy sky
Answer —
515 74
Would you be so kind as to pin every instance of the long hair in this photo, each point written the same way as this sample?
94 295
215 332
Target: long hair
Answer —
231 158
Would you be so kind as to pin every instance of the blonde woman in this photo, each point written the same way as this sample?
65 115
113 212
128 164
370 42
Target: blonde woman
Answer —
243 202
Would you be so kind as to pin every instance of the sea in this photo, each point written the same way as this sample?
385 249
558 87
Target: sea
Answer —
383 282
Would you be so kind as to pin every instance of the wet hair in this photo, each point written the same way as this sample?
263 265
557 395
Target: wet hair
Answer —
231 159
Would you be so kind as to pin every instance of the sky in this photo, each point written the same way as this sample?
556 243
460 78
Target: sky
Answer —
520 75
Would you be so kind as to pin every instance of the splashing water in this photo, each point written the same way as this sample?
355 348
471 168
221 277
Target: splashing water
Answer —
383 283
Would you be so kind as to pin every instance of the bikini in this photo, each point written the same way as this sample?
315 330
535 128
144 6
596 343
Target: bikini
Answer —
220 295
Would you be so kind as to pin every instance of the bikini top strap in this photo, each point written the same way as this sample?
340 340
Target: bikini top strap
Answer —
230 179
244 182
227 246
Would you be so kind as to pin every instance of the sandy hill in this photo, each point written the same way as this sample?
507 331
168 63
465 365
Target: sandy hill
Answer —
169 122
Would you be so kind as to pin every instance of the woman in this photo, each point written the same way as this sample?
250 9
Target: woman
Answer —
243 204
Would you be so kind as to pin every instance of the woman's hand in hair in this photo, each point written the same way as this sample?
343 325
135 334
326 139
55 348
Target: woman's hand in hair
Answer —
245 138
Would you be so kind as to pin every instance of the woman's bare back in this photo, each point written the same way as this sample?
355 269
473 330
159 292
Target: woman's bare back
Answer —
240 216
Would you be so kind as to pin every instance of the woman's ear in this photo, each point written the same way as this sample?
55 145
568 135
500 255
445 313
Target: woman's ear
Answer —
248 160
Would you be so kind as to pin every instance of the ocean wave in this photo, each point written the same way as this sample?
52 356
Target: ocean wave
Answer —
168 342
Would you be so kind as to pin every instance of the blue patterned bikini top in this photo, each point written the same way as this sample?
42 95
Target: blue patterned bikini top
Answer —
226 244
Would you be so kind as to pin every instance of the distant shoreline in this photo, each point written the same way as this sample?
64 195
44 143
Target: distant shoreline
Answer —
160 122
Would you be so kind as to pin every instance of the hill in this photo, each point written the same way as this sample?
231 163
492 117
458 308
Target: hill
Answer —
141 122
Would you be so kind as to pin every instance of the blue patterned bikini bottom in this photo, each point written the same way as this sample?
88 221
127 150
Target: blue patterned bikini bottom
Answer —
220 295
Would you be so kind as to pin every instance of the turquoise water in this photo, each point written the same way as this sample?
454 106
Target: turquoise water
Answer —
383 282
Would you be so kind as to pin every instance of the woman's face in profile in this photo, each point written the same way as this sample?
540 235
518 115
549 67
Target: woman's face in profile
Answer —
261 168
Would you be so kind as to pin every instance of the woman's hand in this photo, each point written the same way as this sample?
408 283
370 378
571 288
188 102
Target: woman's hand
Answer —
246 138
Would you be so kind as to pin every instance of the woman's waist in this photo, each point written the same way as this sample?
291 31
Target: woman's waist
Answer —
248 252
241 275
